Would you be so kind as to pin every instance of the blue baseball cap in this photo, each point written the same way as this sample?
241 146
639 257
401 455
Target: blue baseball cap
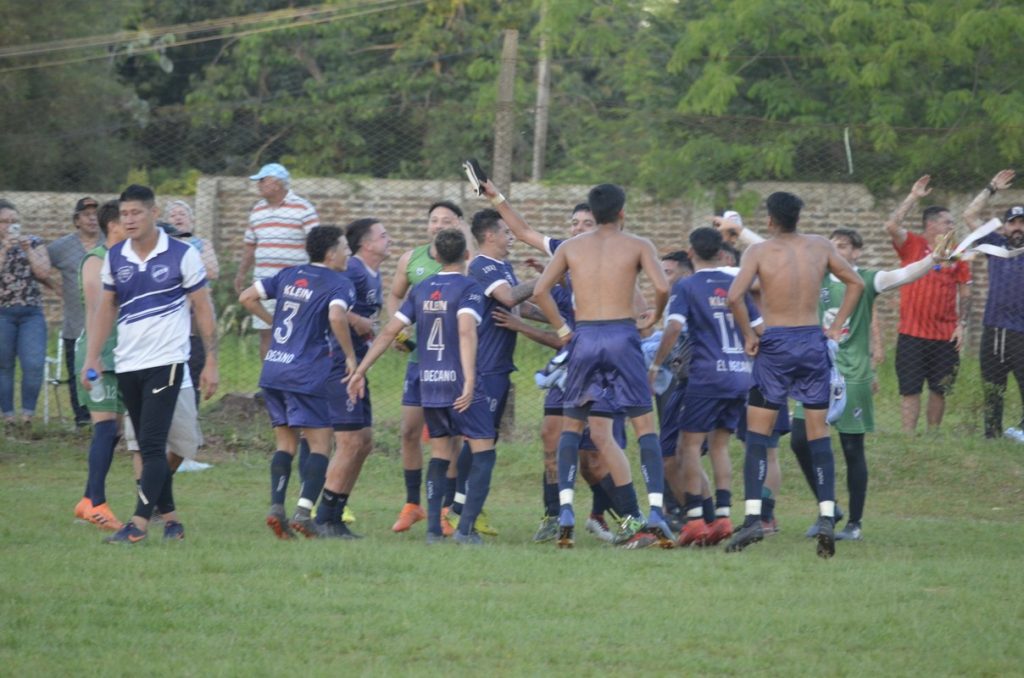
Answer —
271 170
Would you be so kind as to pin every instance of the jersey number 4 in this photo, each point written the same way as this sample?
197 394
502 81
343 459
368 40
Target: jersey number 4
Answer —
435 342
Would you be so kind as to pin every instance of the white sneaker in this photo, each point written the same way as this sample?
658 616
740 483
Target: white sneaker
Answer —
189 465
1015 434
599 529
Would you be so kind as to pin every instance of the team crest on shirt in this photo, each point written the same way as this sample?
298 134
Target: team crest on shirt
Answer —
826 322
419 270
302 282
160 273
825 295
125 273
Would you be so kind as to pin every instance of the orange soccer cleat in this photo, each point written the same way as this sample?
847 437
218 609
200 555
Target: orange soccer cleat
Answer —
409 516
102 517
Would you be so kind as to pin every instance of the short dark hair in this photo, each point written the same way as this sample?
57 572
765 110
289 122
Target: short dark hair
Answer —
450 244
606 201
108 211
138 193
851 235
930 213
357 230
448 204
484 221
320 241
582 207
706 242
784 210
680 257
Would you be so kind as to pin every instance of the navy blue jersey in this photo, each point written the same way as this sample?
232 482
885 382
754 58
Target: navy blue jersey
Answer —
1004 306
299 358
718 365
368 300
434 306
497 344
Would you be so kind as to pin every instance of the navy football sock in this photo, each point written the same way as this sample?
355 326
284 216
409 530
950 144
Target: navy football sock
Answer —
626 498
462 467
856 473
707 506
723 503
280 472
101 453
755 467
653 468
313 480
303 457
436 471
824 469
692 505
478 486
413 481
449 490
568 462
328 512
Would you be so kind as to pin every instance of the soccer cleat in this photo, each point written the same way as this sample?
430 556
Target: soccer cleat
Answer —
770 527
449 521
547 530
483 526
278 523
749 533
659 529
433 538
302 522
83 508
694 533
337 530
407 517
128 534
719 531
471 539
812 531
102 517
849 533
675 520
633 534
566 528
173 530
826 537
347 516
597 526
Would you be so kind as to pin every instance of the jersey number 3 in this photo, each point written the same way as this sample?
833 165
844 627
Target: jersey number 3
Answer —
284 331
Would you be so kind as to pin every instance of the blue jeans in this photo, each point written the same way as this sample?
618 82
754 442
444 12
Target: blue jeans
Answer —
22 335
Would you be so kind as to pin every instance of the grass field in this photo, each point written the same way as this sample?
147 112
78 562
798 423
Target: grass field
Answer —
936 587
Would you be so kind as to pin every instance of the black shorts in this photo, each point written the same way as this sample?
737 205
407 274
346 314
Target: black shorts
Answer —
933 359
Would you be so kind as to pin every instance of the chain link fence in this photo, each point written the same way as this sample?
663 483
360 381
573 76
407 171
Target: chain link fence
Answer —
393 168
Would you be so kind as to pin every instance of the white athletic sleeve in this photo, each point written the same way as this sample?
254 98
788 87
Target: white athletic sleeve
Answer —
748 237
887 280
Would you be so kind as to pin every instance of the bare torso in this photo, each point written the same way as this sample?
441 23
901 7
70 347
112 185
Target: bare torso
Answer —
604 265
790 268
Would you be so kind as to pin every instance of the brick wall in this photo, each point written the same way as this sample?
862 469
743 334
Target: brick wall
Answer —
222 206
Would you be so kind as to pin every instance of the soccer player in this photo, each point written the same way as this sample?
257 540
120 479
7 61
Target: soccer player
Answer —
719 379
606 359
791 357
352 418
313 300
149 282
413 267
446 309
930 333
1002 335
104 411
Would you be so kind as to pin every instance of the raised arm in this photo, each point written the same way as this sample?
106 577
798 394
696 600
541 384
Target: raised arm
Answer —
513 296
1000 182
520 229
890 280
894 224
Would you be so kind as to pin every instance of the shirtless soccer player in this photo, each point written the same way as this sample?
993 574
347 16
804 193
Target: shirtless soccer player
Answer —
606 360
446 309
791 358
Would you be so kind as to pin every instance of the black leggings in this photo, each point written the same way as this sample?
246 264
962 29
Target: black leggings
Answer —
150 396
1001 352
856 465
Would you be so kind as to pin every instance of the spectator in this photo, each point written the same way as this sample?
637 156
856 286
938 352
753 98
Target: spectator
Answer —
1002 335
66 255
931 327
276 237
23 264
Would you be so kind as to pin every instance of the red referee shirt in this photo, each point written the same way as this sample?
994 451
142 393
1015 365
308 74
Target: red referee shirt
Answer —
928 305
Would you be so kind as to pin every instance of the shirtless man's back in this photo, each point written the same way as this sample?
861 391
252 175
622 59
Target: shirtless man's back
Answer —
791 358
606 360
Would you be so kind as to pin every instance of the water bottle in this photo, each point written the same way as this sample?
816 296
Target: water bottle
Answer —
96 390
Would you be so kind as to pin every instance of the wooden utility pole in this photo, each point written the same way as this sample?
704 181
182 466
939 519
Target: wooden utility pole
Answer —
540 128
504 120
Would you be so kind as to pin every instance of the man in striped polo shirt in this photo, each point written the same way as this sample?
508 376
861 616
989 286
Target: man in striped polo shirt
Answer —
933 312
149 282
276 237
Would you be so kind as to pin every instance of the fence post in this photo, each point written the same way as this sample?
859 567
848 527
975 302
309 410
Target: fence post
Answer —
504 120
